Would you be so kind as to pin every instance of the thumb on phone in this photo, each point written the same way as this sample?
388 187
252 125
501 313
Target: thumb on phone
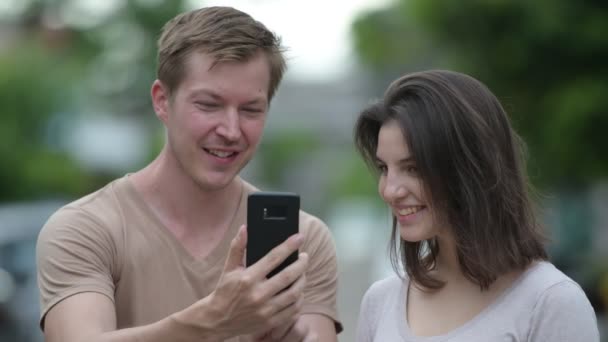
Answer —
236 255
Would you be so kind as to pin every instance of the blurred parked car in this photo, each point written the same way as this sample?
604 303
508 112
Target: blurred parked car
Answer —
19 307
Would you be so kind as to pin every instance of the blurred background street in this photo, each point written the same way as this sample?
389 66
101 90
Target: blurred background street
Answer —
75 113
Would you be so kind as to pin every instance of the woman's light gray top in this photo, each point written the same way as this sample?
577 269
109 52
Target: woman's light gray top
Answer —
542 305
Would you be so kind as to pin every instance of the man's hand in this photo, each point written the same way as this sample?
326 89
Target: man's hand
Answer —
298 332
244 301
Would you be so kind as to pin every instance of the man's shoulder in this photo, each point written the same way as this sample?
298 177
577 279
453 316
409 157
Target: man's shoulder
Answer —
99 209
312 222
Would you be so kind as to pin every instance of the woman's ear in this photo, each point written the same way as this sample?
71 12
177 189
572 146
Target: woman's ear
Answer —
160 100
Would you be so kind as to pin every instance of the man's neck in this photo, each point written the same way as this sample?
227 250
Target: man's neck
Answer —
181 203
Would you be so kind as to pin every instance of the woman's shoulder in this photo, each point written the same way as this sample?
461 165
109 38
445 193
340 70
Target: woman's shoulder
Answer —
545 286
554 283
381 299
385 288
543 276
380 302
561 310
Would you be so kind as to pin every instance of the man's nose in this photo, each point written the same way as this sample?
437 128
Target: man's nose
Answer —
230 128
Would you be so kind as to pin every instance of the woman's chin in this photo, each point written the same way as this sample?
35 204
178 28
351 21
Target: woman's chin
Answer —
408 235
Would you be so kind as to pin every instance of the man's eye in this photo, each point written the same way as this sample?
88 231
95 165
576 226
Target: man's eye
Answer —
253 113
207 105
252 110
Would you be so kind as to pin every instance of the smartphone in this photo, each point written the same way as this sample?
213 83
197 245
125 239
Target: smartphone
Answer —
272 217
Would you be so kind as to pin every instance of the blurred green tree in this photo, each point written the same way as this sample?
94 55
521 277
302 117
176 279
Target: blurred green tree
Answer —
63 60
29 95
545 60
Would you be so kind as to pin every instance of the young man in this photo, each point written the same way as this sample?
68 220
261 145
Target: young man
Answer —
158 254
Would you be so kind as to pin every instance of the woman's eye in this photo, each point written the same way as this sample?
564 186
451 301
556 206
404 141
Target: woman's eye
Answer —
412 169
382 168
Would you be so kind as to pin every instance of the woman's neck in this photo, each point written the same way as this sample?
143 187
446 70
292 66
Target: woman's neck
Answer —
447 264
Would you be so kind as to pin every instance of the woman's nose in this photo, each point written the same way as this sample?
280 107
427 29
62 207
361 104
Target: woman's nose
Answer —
394 190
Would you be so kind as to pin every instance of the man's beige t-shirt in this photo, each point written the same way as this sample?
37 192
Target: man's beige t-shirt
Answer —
110 242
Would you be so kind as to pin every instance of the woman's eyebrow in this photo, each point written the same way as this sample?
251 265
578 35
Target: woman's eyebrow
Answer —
408 159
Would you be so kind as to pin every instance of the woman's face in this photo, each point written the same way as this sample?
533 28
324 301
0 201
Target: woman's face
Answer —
401 187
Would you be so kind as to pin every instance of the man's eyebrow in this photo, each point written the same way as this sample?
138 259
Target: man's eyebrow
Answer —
259 100
205 92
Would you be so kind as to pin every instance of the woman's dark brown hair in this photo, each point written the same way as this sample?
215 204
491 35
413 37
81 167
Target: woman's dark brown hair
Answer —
471 163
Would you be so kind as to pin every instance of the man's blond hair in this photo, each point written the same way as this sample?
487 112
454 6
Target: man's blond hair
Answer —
225 33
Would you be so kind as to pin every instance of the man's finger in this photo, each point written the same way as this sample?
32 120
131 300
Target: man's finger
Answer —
286 298
276 256
299 332
260 337
236 254
287 277
311 337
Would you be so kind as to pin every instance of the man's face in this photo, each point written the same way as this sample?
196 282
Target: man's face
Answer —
215 118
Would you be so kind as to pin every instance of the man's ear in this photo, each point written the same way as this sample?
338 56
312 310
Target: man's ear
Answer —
160 100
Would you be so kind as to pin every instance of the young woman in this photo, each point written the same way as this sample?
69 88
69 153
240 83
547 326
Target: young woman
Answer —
451 170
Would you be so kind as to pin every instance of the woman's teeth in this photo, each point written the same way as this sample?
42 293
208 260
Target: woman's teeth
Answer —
410 210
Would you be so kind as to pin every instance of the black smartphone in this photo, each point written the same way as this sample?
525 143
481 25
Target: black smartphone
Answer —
272 217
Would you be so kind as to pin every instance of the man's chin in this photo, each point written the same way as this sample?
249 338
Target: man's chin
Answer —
215 182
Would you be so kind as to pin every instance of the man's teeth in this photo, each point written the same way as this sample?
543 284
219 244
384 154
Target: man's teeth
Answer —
409 210
221 154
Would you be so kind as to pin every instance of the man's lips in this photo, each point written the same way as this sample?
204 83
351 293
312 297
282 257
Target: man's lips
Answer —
224 154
